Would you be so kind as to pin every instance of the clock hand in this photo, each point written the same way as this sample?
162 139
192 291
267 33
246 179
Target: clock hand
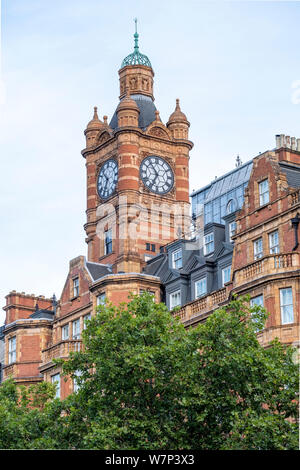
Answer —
154 170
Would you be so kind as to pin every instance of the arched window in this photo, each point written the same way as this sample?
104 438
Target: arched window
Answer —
231 205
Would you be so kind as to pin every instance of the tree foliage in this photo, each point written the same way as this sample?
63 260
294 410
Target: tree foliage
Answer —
146 382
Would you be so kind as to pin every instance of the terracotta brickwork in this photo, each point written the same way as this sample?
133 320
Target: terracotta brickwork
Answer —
135 214
19 305
31 337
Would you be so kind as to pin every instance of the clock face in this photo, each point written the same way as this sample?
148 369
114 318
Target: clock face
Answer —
156 174
107 179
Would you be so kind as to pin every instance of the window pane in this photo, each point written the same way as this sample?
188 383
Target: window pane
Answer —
208 243
85 319
76 287
258 248
263 192
108 241
12 352
274 242
286 305
65 332
76 329
200 288
101 299
226 274
175 299
55 379
259 300
177 259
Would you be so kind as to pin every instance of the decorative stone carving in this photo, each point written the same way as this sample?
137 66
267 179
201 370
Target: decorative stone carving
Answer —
158 132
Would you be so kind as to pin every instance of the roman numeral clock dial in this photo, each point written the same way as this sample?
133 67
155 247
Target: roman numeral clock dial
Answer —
156 174
107 179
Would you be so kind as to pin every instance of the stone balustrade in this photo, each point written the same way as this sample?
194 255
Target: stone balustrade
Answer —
60 350
268 265
202 305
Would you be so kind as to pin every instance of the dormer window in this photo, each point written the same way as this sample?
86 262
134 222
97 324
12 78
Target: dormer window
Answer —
175 299
230 206
226 275
208 243
200 288
177 259
264 196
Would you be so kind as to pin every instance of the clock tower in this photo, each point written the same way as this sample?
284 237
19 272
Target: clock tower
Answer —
137 174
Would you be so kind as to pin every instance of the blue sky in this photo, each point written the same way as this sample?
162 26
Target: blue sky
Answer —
232 64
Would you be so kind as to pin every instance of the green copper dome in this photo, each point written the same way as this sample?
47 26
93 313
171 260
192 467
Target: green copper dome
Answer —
136 58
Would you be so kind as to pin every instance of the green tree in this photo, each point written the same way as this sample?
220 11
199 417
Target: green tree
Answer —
145 382
26 417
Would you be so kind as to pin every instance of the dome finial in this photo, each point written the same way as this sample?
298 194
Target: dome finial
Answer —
136 37
136 58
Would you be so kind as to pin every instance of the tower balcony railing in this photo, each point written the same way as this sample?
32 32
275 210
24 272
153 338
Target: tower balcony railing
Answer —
61 349
268 265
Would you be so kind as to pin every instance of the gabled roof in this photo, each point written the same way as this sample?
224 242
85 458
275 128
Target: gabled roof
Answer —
224 249
194 262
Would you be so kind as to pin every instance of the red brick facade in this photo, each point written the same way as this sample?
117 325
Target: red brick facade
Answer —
32 342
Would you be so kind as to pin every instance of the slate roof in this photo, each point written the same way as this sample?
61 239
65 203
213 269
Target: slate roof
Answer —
98 270
227 182
292 173
147 112
43 314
